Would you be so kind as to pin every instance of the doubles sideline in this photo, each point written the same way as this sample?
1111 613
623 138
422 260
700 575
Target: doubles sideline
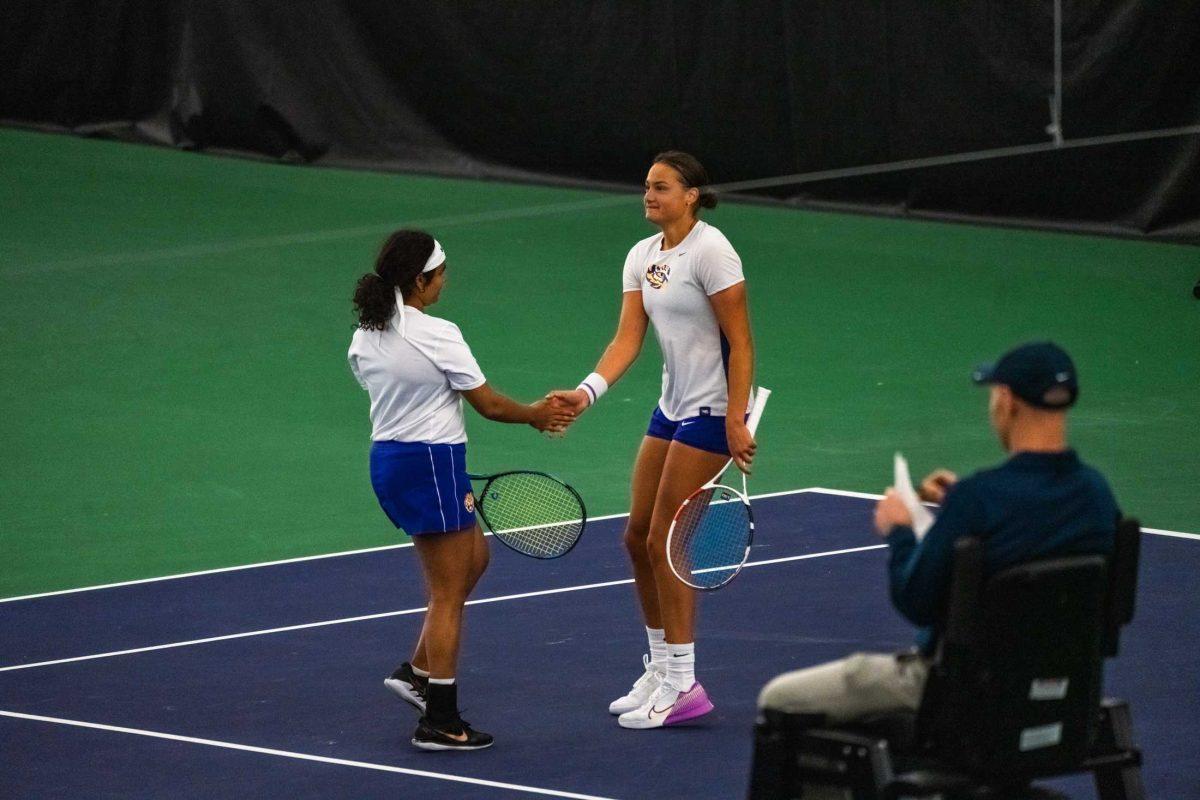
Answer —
814 489
398 613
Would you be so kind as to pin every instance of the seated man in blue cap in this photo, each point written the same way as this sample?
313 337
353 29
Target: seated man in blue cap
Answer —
1043 501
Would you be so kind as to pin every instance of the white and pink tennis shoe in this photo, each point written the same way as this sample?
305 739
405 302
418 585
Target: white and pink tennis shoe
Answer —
645 686
668 706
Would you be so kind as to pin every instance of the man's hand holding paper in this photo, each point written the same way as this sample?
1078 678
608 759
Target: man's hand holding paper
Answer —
921 519
936 484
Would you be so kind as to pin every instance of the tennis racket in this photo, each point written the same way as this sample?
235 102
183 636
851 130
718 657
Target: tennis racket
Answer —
533 513
710 536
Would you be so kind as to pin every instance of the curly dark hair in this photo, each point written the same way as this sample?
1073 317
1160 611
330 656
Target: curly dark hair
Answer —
693 173
401 259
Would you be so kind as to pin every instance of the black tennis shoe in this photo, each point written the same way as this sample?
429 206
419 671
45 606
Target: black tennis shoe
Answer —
457 736
408 686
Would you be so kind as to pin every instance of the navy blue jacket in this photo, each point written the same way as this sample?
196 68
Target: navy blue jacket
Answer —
1035 505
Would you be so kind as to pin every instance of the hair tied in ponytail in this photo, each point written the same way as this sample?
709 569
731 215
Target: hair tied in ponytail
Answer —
401 259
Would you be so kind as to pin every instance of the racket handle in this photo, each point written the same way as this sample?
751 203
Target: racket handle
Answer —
756 411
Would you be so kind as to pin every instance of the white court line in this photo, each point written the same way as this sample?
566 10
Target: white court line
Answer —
238 567
342 762
296 560
765 495
791 558
846 493
399 613
305 625
1176 534
869 496
204 572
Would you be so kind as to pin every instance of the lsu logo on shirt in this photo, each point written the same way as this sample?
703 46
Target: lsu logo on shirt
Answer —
657 275
469 502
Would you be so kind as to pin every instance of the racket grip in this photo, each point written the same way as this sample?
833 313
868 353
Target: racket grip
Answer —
756 411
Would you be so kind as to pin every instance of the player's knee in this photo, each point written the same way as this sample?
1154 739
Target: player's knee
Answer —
656 548
635 540
453 589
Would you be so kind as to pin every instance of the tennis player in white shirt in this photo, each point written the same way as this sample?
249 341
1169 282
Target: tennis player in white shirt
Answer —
687 280
417 368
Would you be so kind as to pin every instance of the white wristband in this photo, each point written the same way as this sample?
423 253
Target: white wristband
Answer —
594 386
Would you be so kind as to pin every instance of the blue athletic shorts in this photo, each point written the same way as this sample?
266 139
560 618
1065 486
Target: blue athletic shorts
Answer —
423 488
703 432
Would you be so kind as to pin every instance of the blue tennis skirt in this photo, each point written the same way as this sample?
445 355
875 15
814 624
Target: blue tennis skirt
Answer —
423 488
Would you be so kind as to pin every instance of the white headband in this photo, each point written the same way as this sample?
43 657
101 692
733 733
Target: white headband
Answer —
437 258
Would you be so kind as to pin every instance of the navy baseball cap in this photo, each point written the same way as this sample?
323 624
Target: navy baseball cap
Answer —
1040 373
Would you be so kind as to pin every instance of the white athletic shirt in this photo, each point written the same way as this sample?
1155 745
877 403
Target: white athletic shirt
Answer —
414 379
675 286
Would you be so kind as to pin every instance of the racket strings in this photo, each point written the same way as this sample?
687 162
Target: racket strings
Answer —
709 541
533 513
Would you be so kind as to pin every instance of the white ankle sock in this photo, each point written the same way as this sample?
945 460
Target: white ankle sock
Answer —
681 665
442 681
420 673
658 646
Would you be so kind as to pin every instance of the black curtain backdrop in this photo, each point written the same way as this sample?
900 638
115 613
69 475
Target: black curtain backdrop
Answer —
582 92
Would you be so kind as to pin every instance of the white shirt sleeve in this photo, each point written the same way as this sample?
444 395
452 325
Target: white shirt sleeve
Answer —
352 357
357 375
718 266
631 276
454 358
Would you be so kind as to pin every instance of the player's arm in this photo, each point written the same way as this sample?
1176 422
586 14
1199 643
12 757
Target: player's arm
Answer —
626 344
500 408
729 305
454 357
919 572
617 358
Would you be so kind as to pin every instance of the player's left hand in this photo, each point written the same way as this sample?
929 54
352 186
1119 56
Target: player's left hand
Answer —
890 512
741 444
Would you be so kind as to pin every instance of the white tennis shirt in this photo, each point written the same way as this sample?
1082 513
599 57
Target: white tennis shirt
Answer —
675 286
414 378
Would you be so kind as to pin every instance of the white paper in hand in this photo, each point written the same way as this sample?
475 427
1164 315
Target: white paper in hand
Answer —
921 516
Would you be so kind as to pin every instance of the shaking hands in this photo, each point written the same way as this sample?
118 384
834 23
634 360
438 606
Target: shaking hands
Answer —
551 416
560 409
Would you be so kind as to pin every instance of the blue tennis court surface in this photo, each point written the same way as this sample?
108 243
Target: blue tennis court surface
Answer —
268 682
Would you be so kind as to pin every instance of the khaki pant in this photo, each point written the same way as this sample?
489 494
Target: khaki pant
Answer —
850 689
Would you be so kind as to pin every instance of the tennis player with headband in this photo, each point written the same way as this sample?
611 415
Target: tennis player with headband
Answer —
687 280
417 369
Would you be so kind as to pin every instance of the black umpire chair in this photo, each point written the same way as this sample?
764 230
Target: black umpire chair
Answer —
1013 695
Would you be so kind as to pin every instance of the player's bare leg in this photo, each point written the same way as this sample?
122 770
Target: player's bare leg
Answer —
686 469
679 697
452 563
646 472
